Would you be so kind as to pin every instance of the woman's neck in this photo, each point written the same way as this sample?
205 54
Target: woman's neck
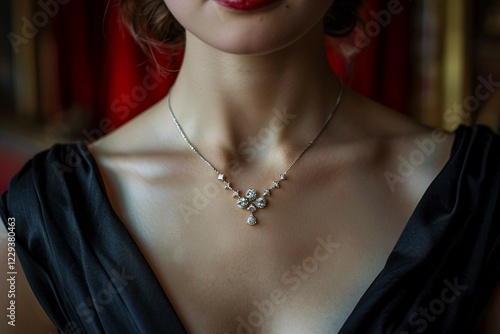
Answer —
224 100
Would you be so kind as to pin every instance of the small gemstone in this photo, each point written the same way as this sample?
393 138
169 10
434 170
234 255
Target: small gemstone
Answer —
251 194
267 192
283 176
252 208
276 184
251 220
227 185
221 177
236 193
242 203
261 202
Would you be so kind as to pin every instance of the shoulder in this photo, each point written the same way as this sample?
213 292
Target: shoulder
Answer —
46 173
144 149
150 131
368 121
464 170
406 155
44 200
52 196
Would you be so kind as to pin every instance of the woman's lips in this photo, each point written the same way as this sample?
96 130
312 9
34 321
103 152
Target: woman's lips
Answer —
246 5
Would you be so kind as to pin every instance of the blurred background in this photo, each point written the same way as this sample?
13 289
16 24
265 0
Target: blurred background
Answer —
69 70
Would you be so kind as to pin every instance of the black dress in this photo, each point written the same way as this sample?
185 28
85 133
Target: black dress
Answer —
90 276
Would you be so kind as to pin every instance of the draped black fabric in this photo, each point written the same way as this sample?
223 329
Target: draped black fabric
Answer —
89 275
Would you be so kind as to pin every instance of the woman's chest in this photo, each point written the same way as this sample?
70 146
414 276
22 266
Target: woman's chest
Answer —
301 268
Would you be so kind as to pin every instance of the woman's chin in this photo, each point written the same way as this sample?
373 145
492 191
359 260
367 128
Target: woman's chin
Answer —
250 43
250 33
247 49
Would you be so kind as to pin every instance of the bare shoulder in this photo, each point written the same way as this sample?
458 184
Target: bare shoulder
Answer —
374 121
410 154
144 133
135 158
394 159
413 156
23 313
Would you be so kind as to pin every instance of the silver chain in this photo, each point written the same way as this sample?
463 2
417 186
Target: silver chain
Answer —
250 201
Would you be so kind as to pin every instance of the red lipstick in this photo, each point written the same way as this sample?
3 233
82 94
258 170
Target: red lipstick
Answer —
245 5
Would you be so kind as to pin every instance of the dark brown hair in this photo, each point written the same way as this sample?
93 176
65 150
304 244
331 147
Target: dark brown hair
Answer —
152 24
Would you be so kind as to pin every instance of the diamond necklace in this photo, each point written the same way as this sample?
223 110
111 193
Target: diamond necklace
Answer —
251 201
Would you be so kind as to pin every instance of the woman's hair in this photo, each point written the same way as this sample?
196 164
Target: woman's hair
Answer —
153 26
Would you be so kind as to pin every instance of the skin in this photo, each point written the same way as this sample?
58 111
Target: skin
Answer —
237 69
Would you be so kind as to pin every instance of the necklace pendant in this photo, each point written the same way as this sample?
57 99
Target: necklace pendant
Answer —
251 220
251 194
242 203
252 202
261 202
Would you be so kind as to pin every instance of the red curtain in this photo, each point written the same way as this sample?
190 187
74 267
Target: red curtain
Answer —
102 70
375 60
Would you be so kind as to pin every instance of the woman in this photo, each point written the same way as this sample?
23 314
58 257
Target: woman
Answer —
373 229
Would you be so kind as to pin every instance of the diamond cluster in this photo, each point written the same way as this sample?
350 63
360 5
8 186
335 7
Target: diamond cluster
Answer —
251 201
